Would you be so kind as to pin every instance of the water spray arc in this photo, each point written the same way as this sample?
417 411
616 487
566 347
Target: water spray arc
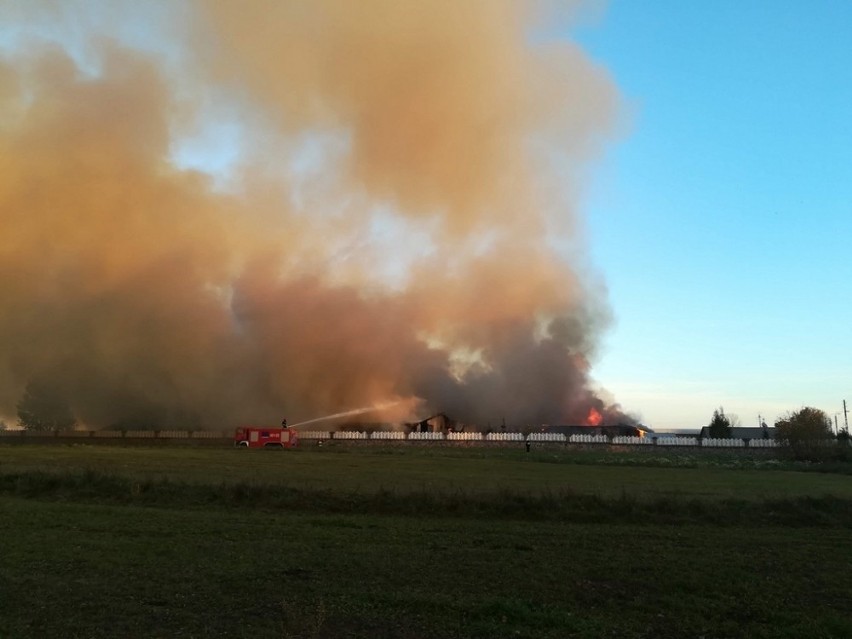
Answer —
348 413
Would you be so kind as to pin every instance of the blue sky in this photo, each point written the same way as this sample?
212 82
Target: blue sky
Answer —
722 218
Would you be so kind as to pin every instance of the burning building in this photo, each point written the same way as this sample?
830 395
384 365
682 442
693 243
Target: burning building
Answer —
610 431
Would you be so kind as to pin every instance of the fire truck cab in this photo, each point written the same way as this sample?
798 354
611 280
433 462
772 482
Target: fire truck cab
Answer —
262 437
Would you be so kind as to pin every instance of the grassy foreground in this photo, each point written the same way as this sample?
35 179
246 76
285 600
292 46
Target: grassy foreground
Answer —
157 542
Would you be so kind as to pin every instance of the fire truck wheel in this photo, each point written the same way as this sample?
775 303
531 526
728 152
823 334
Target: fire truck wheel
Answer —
242 445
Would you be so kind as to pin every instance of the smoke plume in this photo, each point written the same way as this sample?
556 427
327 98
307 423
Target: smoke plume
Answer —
395 224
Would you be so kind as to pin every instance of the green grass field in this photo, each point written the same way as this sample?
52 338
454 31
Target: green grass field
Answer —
349 541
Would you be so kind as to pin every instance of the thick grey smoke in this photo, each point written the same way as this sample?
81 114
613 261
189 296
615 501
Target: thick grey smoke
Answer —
387 235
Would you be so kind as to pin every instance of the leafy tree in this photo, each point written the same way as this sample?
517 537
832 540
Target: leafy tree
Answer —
807 432
720 425
42 407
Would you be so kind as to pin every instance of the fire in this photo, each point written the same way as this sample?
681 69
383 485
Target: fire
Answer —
594 418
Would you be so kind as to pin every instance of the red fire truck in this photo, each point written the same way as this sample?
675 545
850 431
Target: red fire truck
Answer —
263 437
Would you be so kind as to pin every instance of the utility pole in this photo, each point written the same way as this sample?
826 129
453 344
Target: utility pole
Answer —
845 416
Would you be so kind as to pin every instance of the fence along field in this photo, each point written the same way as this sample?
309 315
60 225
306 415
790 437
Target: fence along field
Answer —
349 435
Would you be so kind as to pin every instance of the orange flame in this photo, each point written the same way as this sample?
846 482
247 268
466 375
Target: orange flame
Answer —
594 418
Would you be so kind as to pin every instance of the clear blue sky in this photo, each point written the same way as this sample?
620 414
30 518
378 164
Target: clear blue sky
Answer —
722 219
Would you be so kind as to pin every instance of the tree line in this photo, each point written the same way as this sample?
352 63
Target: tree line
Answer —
43 406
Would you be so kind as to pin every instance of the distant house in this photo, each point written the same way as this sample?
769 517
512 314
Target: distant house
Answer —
745 432
439 423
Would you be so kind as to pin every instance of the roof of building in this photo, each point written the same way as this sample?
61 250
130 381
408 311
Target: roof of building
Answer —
745 432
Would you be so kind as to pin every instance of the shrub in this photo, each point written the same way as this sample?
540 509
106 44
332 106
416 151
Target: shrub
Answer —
807 433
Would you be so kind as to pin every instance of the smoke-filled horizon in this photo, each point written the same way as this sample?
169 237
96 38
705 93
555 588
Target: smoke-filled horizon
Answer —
399 226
